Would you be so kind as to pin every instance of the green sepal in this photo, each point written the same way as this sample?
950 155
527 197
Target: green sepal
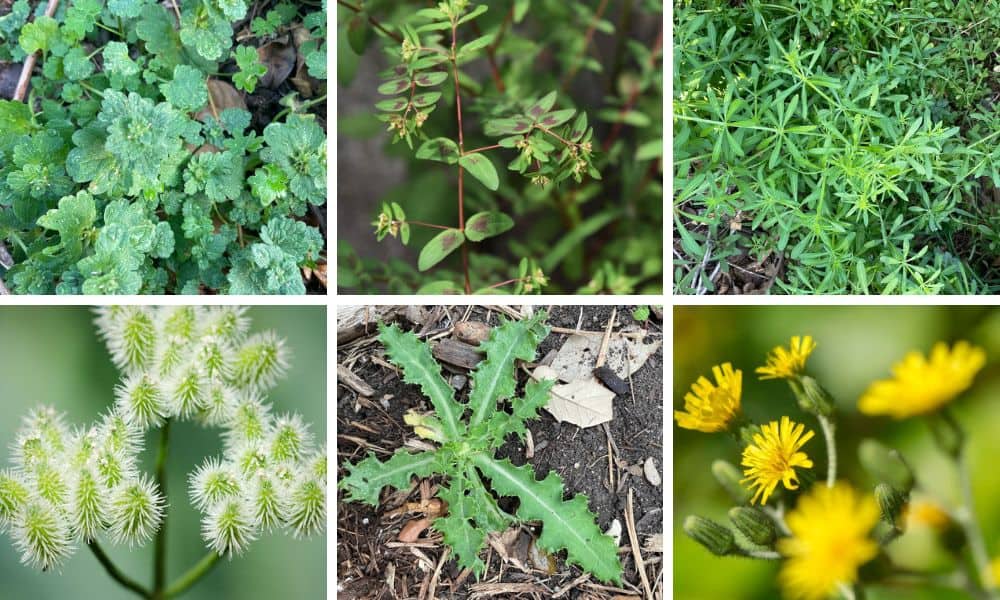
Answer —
566 524
366 479
419 368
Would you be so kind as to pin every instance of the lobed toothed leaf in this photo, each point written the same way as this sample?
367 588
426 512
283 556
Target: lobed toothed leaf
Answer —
420 368
457 527
566 524
493 380
366 479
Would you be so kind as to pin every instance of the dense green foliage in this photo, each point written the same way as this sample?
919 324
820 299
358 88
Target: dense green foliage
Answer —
465 454
134 167
854 140
578 206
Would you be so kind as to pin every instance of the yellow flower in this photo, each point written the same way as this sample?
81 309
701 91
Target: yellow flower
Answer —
830 528
926 513
783 364
995 568
921 385
708 407
773 456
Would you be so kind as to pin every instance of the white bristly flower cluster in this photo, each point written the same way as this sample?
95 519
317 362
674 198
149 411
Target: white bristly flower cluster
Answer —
68 486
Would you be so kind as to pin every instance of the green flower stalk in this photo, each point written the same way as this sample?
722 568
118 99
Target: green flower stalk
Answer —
69 487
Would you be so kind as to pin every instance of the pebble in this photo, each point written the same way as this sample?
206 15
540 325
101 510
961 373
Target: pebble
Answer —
652 474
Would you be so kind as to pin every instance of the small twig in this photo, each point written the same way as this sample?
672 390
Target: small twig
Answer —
29 62
640 566
602 354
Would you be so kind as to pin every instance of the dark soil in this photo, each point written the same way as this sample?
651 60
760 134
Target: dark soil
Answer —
372 564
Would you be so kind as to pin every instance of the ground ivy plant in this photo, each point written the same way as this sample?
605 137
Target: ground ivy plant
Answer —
465 454
134 165
83 486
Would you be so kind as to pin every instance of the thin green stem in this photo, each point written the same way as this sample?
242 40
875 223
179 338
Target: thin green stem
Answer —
831 448
970 524
193 575
160 549
114 572
300 107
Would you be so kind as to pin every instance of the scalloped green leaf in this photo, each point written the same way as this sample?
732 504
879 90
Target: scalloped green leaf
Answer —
566 524
484 225
439 247
419 368
481 168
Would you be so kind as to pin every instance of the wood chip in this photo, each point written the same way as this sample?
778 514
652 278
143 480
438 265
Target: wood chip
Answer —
347 377
472 332
457 353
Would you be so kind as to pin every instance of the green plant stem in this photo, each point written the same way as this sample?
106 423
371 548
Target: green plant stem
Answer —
372 20
114 572
300 107
193 575
831 448
160 548
967 517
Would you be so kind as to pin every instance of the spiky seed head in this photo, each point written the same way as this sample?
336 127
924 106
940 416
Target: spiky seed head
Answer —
179 321
42 436
187 391
260 361
171 355
229 527
248 457
140 401
250 422
117 435
305 513
289 438
114 467
269 502
135 511
214 356
130 335
81 451
228 323
88 501
41 534
13 495
316 465
213 482
49 482
220 401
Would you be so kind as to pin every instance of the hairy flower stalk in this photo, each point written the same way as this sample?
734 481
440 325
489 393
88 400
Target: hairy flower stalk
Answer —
69 488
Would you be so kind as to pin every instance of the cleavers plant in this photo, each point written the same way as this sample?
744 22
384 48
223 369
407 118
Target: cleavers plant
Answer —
72 486
133 165
464 455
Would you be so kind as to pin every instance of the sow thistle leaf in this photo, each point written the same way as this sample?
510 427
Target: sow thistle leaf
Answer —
439 149
566 525
457 528
484 225
482 169
366 479
439 247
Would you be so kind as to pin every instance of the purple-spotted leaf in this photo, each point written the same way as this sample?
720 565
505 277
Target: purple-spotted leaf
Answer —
554 119
391 88
439 149
439 247
507 126
482 169
542 106
392 105
426 99
430 79
484 225
435 288
579 128
359 33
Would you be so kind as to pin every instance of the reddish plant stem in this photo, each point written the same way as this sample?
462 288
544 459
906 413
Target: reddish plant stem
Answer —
373 21
484 149
633 97
461 152
491 51
422 224
29 63
555 135
586 44
503 283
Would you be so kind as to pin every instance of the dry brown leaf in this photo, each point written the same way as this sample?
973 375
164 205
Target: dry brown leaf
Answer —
412 530
223 95
279 57
584 403
578 356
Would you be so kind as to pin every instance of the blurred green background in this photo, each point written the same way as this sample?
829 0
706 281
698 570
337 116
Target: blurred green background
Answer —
52 355
856 345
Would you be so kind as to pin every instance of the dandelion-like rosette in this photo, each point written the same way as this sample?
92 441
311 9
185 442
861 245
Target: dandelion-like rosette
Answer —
785 363
774 456
711 407
829 540
921 385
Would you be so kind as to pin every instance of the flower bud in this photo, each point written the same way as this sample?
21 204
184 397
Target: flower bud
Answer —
754 524
812 397
890 502
885 464
729 478
425 426
718 539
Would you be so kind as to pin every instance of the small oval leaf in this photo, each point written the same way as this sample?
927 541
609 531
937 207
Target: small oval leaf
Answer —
482 169
391 88
439 247
430 79
484 225
439 149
